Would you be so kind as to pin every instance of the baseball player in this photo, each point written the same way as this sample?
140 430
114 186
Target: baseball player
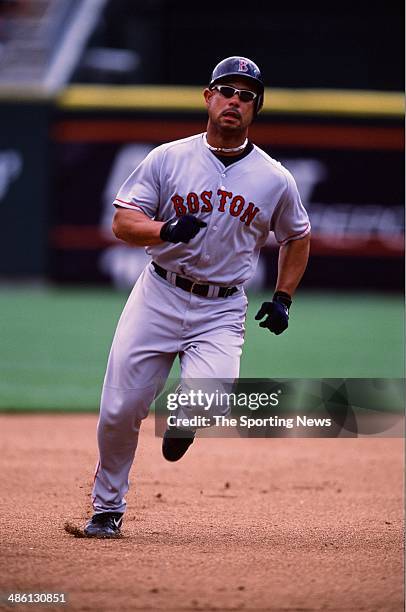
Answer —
203 207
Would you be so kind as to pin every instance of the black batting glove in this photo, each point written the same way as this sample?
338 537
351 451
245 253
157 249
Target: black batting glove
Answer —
276 312
182 229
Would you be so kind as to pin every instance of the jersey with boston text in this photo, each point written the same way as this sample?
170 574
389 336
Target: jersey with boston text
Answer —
240 203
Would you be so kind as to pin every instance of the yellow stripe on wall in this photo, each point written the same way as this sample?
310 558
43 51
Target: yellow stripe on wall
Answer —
183 98
336 102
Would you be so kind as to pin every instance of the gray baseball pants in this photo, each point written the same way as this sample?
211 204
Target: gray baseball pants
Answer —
159 322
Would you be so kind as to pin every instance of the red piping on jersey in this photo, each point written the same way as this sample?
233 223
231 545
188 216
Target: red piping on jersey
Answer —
129 203
303 233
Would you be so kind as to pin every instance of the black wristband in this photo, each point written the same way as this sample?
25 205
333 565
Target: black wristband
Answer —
282 297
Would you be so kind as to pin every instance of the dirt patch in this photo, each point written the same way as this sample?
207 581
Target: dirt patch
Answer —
254 524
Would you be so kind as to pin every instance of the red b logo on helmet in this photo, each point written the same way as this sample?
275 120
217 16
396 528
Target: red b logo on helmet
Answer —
242 66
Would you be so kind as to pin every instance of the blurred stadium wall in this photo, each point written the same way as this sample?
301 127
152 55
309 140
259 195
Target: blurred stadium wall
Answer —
88 87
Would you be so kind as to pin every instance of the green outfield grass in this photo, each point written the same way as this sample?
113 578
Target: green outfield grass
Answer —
55 343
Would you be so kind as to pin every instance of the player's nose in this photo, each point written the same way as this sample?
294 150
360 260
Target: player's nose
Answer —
235 100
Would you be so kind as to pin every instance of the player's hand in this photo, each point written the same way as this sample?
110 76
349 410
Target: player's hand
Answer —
182 229
276 312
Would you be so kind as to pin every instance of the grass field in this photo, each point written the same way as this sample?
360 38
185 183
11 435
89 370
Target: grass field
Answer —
55 342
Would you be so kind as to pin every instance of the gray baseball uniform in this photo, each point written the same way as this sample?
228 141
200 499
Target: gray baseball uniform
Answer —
240 203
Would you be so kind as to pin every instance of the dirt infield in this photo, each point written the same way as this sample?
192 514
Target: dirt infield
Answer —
266 524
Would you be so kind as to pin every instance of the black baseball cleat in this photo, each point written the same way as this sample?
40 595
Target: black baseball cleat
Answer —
176 442
104 525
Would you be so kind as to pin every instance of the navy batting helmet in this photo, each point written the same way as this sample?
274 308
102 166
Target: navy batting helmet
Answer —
238 66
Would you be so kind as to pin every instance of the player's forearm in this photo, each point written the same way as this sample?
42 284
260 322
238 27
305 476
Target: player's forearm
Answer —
293 258
136 229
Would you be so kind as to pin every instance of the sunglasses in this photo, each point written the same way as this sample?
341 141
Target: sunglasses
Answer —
227 91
